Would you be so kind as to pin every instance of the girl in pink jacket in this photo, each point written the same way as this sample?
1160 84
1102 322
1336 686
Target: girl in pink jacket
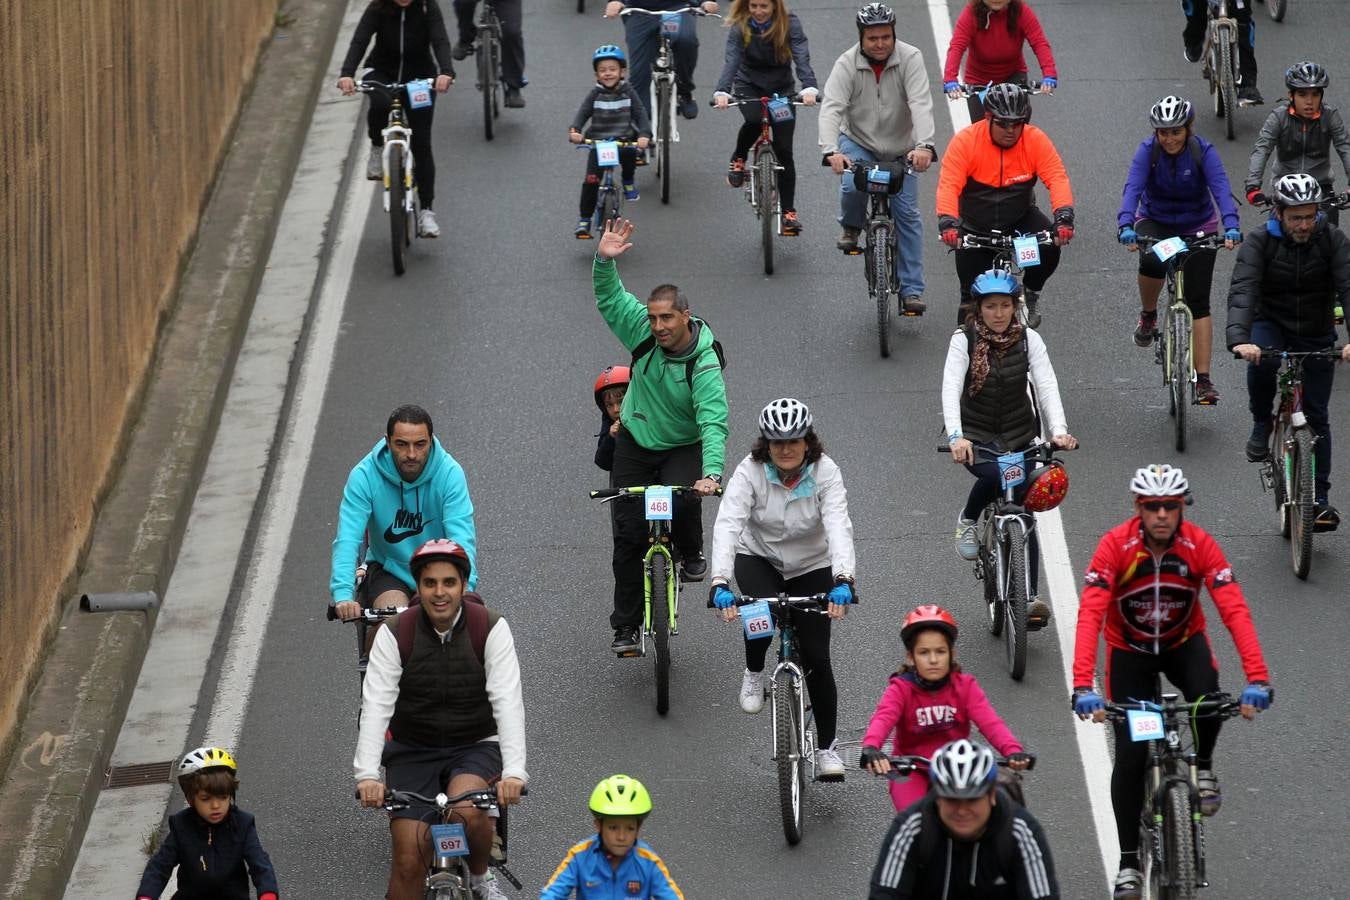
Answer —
929 702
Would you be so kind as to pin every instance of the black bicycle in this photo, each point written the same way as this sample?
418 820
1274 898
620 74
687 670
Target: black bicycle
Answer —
880 181
488 57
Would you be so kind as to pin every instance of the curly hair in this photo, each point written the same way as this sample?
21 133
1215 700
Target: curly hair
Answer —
815 448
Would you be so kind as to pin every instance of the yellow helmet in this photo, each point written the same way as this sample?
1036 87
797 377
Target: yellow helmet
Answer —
202 758
620 795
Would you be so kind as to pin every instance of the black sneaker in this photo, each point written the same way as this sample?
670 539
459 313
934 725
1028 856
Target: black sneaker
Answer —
1144 331
625 639
1032 299
1192 52
848 240
513 98
685 106
1327 517
1257 449
462 50
1249 96
694 567
1206 394
913 305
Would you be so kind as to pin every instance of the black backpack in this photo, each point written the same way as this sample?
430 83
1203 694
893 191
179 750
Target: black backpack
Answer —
649 343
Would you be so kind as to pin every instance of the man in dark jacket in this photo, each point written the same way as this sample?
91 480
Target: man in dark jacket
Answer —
1290 275
513 44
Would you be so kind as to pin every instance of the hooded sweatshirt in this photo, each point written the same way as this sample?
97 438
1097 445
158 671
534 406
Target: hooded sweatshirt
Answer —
398 516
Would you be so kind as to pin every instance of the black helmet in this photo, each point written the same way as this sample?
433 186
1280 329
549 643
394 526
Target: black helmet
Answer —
876 14
1008 101
1297 189
1306 74
1171 112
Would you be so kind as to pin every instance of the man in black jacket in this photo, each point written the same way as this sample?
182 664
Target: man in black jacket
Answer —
1290 275
513 44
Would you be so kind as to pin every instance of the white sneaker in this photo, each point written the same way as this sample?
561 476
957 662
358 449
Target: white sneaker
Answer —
375 164
829 767
752 691
487 889
426 225
967 541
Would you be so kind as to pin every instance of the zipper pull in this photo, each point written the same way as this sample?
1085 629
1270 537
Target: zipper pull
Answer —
202 860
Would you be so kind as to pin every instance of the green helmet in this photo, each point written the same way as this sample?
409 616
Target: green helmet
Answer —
620 795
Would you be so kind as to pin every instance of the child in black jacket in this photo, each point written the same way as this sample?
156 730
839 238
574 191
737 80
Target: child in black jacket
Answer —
616 113
609 390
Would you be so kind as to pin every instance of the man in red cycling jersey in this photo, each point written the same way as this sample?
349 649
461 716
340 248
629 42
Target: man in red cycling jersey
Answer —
1145 581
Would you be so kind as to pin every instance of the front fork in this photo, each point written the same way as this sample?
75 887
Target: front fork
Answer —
799 701
660 545
398 136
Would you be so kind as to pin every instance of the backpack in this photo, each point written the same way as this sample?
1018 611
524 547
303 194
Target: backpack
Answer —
649 343
931 834
475 614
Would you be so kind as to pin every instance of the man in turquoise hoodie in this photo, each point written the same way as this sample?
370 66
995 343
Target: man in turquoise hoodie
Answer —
406 491
673 425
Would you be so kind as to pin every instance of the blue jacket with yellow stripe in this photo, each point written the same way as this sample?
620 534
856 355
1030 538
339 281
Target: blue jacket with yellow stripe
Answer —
587 871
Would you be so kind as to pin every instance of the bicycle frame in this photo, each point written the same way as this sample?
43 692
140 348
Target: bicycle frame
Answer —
663 71
763 144
787 662
396 133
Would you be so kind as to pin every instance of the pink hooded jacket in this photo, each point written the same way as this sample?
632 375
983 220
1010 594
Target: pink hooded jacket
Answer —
918 720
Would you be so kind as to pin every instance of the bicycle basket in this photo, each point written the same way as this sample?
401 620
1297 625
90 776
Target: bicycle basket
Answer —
879 178
1047 488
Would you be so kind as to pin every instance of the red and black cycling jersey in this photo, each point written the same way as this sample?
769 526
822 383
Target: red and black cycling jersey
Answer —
1151 604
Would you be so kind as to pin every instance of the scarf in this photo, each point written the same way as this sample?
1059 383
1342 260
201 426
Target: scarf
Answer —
984 340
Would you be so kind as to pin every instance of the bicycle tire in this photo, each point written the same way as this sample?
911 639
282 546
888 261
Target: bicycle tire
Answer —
993 608
1179 845
788 758
1180 365
1015 605
496 68
398 217
484 61
1303 509
1276 462
882 265
663 112
611 206
766 177
1276 9
1227 86
660 624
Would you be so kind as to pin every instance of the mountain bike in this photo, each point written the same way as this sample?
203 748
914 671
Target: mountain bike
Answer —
1016 253
1171 828
1220 55
609 201
1004 527
400 183
880 181
1174 348
448 867
661 582
488 58
1289 469
761 184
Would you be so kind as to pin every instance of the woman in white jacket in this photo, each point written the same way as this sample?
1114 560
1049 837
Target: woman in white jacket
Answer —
783 527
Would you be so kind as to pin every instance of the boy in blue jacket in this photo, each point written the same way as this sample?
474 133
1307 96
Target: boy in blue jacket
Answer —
614 863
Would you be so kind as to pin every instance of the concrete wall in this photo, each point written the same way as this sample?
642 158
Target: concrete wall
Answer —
115 117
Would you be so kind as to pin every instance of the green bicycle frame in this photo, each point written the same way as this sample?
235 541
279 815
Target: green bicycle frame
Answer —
660 540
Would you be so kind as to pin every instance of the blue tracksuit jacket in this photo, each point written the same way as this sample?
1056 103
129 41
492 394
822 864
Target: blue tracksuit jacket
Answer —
641 875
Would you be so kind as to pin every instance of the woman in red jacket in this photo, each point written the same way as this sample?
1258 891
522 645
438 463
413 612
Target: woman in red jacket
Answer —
990 34
928 703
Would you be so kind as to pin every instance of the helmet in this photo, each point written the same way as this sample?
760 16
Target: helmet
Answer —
1306 75
203 758
1008 101
1159 481
995 281
930 615
785 419
620 795
876 14
1046 488
962 770
613 376
1171 112
441 549
1296 190
609 51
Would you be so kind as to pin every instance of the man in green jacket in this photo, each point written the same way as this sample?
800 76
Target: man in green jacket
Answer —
673 422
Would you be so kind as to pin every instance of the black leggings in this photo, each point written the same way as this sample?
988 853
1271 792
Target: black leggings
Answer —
1129 676
1198 268
782 148
757 577
590 188
424 164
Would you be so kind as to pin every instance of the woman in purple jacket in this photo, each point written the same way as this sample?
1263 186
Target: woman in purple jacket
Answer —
1175 181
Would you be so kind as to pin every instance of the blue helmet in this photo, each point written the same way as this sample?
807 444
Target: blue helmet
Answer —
995 281
609 51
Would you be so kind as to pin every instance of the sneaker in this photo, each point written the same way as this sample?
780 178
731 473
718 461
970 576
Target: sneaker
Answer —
1328 519
1249 96
513 98
913 305
694 567
1207 786
1192 52
630 192
426 225
1206 394
967 541
487 889
1257 448
685 106
1129 885
791 224
752 692
462 50
1038 614
641 159
736 173
1032 300
848 241
583 232
829 767
1147 327
625 639
375 164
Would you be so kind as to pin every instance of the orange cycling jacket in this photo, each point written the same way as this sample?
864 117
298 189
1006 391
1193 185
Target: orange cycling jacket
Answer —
989 188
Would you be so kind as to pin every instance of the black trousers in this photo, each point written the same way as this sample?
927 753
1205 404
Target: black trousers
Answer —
1197 20
513 39
590 188
782 148
970 263
424 163
635 466
1198 268
757 577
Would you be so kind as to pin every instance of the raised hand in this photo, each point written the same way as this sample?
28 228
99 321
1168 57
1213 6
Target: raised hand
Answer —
614 242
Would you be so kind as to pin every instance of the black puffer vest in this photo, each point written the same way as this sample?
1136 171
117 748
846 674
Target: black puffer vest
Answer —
442 694
1001 412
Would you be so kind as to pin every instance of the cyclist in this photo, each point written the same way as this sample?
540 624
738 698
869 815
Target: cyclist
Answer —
615 864
1144 582
643 34
616 113
992 361
990 34
406 490
673 424
1300 135
783 528
448 645
929 702
610 387
1175 179
513 44
987 183
410 43
1290 275
965 840
877 108
763 44
1193 37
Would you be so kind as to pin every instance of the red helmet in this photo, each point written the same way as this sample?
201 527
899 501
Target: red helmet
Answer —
613 376
1047 487
442 549
930 615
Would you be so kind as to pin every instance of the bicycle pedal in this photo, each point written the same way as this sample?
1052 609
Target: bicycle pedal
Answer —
857 252
1036 624
911 314
629 654
583 237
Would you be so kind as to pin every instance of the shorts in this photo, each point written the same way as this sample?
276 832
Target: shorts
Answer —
427 770
377 581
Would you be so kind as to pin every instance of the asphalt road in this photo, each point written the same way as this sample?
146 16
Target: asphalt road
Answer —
494 330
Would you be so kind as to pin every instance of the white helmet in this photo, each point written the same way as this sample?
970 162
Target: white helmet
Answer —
1159 481
962 770
785 419
1297 189
195 761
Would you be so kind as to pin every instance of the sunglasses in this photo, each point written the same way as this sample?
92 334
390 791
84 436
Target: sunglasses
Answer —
1154 506
1008 124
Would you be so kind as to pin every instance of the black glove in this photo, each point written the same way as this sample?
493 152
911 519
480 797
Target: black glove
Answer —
946 222
1064 216
869 756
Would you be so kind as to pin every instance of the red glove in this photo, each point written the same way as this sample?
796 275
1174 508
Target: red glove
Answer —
1064 233
952 238
1256 198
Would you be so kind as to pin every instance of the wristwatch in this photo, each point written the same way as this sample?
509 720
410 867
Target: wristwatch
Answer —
716 478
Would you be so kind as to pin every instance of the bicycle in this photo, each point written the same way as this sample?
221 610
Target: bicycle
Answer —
609 200
879 181
969 92
1009 779
1004 527
1171 828
665 130
1174 348
400 183
1220 52
448 872
761 185
1014 252
488 59
1275 8
660 578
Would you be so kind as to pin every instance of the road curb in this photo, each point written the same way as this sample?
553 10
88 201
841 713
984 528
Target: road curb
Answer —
75 709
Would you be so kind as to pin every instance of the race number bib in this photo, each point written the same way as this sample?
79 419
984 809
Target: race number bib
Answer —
449 840
419 94
1166 249
670 25
659 504
780 109
1012 469
1145 724
606 153
1026 252
756 621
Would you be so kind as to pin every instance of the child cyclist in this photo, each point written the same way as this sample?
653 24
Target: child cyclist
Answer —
616 113
615 863
610 388
930 702
213 843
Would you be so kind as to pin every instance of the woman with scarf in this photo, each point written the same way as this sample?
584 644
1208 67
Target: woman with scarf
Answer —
991 362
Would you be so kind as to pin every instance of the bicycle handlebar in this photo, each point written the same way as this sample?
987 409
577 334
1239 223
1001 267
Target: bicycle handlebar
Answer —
369 87
691 10
1199 241
813 603
591 142
1042 452
970 90
483 799
372 616
1339 201
737 100
904 766
1332 353
978 240
616 493
1220 706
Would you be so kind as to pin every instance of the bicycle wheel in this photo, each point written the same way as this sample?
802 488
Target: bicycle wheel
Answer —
610 207
1302 509
992 579
1179 845
660 623
398 216
485 73
766 189
1279 482
879 239
1276 9
1227 86
1180 365
788 757
1015 606
664 110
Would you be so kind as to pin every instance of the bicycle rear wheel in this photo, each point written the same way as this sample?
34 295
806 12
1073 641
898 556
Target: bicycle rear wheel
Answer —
398 216
993 577
660 626
766 189
1180 365
664 111
1015 605
879 240
788 758
485 82
1179 845
610 207
1227 93
1302 509
1276 9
